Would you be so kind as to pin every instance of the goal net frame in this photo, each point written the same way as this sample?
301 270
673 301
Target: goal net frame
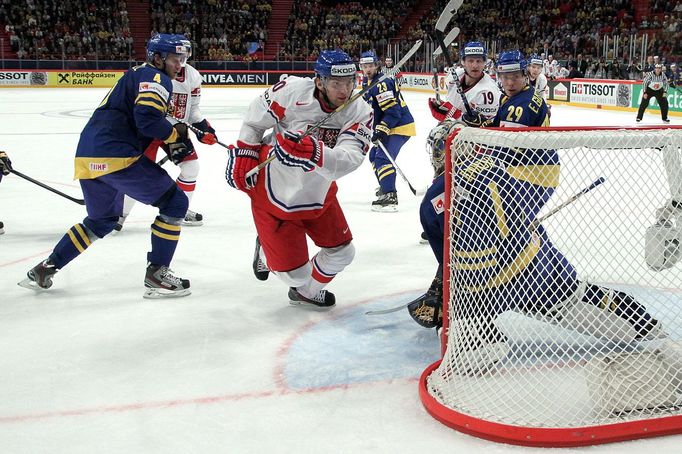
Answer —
489 428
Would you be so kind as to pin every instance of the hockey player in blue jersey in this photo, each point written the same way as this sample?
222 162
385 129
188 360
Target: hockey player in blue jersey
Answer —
109 163
393 127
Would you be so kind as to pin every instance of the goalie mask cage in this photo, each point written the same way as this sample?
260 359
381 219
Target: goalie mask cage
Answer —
582 345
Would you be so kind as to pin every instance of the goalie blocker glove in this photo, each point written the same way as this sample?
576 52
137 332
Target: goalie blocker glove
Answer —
293 151
207 134
243 158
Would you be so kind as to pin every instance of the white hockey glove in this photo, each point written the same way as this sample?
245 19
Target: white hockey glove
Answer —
663 240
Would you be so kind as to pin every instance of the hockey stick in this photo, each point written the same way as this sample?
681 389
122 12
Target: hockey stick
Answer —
195 130
439 50
388 155
534 225
394 309
49 188
445 17
350 100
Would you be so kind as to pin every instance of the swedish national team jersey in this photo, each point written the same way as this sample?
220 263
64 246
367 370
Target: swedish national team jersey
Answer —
497 250
389 106
524 109
128 118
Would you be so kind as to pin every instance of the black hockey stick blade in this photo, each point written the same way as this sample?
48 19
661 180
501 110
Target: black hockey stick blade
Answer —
449 38
446 16
49 188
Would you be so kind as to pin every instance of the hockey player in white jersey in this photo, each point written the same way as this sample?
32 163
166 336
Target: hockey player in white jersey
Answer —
536 78
480 89
185 108
294 196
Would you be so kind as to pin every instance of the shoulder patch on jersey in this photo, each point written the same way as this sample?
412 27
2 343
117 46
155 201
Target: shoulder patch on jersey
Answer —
196 91
438 203
385 96
153 87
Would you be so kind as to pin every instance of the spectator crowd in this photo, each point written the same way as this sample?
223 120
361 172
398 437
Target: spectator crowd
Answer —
570 33
71 29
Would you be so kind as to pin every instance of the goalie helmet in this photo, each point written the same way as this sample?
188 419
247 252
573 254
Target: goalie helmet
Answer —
164 44
436 143
511 61
334 63
369 57
473 49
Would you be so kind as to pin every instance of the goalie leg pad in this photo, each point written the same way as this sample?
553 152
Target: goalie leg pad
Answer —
632 381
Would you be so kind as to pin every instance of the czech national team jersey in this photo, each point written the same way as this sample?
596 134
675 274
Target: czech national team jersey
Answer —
129 117
540 85
187 96
483 96
389 106
524 109
292 105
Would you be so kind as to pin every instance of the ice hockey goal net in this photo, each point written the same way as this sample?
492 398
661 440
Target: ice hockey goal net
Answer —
561 327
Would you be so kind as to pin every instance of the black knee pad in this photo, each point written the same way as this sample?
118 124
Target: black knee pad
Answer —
173 203
100 227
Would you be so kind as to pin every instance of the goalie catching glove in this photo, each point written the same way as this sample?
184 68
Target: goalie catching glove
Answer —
177 151
206 133
243 158
294 151
442 111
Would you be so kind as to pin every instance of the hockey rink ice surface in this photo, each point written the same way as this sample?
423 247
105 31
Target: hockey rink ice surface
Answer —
91 367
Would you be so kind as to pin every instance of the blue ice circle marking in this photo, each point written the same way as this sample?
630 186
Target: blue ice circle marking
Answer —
356 348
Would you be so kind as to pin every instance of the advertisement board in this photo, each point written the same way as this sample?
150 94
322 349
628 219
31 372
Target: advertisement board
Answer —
23 78
84 78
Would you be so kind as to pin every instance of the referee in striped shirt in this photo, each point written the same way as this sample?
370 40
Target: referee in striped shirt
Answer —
655 85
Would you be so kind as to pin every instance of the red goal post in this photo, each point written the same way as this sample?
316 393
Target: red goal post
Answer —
522 362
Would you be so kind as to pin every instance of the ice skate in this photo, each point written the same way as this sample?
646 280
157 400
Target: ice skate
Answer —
161 283
2 228
424 239
260 270
119 223
40 276
193 219
386 202
323 299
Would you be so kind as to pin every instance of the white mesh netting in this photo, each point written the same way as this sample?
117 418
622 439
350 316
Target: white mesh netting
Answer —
574 320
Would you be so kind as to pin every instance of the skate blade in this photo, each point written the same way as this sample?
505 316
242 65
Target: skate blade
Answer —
423 241
192 223
312 306
388 209
31 285
156 293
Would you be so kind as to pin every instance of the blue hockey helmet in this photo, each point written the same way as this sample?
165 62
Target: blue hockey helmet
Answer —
535 59
164 44
473 49
511 61
334 63
369 57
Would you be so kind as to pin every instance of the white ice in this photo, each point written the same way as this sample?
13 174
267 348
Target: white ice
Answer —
89 366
